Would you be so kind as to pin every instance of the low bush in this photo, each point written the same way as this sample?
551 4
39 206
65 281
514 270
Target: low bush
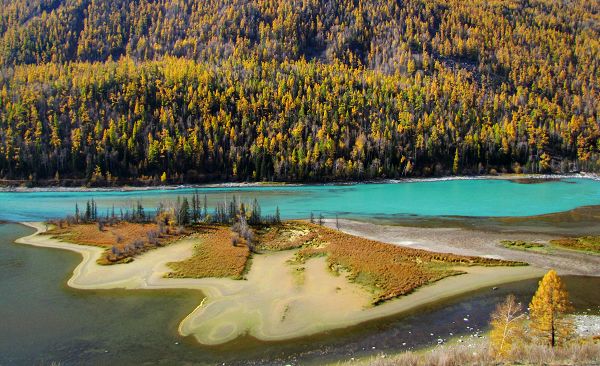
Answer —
584 243
123 240
214 255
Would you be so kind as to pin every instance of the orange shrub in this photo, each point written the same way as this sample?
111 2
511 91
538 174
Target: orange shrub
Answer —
214 256
388 270
119 236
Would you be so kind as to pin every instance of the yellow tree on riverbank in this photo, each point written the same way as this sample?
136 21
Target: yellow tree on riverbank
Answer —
507 326
548 308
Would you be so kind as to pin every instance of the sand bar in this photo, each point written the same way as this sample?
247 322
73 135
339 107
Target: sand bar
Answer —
277 301
474 242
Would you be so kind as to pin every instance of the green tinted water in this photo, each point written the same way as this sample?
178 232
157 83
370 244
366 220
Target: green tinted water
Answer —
44 321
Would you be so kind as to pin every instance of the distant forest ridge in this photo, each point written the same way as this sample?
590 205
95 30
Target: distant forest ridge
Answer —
167 91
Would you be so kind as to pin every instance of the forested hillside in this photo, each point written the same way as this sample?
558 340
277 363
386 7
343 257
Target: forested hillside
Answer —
189 91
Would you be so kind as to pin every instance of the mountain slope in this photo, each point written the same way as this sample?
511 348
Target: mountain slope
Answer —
296 90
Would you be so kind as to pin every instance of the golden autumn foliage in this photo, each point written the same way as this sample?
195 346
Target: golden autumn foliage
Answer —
110 92
507 326
387 270
548 308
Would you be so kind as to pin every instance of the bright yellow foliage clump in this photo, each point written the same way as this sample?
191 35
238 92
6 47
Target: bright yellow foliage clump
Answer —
548 308
507 326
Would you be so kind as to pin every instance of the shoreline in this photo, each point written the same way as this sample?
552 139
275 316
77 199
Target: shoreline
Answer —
268 305
233 185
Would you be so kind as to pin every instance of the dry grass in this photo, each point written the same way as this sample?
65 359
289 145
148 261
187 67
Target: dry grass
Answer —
387 270
457 355
214 256
454 355
88 234
287 235
590 244
119 235
584 353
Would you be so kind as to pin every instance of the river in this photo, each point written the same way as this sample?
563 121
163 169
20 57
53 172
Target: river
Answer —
44 321
464 197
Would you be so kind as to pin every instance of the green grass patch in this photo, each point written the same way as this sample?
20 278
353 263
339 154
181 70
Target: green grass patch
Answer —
585 244
524 245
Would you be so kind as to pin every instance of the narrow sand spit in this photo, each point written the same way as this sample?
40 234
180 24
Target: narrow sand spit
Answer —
277 301
475 242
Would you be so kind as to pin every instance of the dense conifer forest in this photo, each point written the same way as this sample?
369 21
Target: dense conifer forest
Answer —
173 91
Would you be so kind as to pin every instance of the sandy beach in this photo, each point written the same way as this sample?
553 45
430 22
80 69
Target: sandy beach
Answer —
273 303
475 242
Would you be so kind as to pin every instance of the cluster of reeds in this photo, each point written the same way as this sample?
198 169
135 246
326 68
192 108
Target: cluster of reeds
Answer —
584 243
288 235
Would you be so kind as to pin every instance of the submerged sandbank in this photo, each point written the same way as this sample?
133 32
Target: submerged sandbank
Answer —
276 301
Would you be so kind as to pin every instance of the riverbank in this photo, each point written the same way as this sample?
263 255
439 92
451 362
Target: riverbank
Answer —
477 352
269 305
474 242
53 186
474 350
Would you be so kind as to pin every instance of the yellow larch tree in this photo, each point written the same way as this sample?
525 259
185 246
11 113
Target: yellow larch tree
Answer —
507 326
548 310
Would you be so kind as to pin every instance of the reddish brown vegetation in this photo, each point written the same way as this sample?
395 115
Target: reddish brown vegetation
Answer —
388 270
214 255
123 240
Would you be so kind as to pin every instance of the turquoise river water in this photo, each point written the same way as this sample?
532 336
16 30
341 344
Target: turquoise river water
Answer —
475 197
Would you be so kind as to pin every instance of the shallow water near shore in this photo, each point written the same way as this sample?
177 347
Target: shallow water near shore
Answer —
462 197
45 321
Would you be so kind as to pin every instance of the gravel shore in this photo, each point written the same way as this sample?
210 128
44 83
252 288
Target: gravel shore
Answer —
587 325
475 242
